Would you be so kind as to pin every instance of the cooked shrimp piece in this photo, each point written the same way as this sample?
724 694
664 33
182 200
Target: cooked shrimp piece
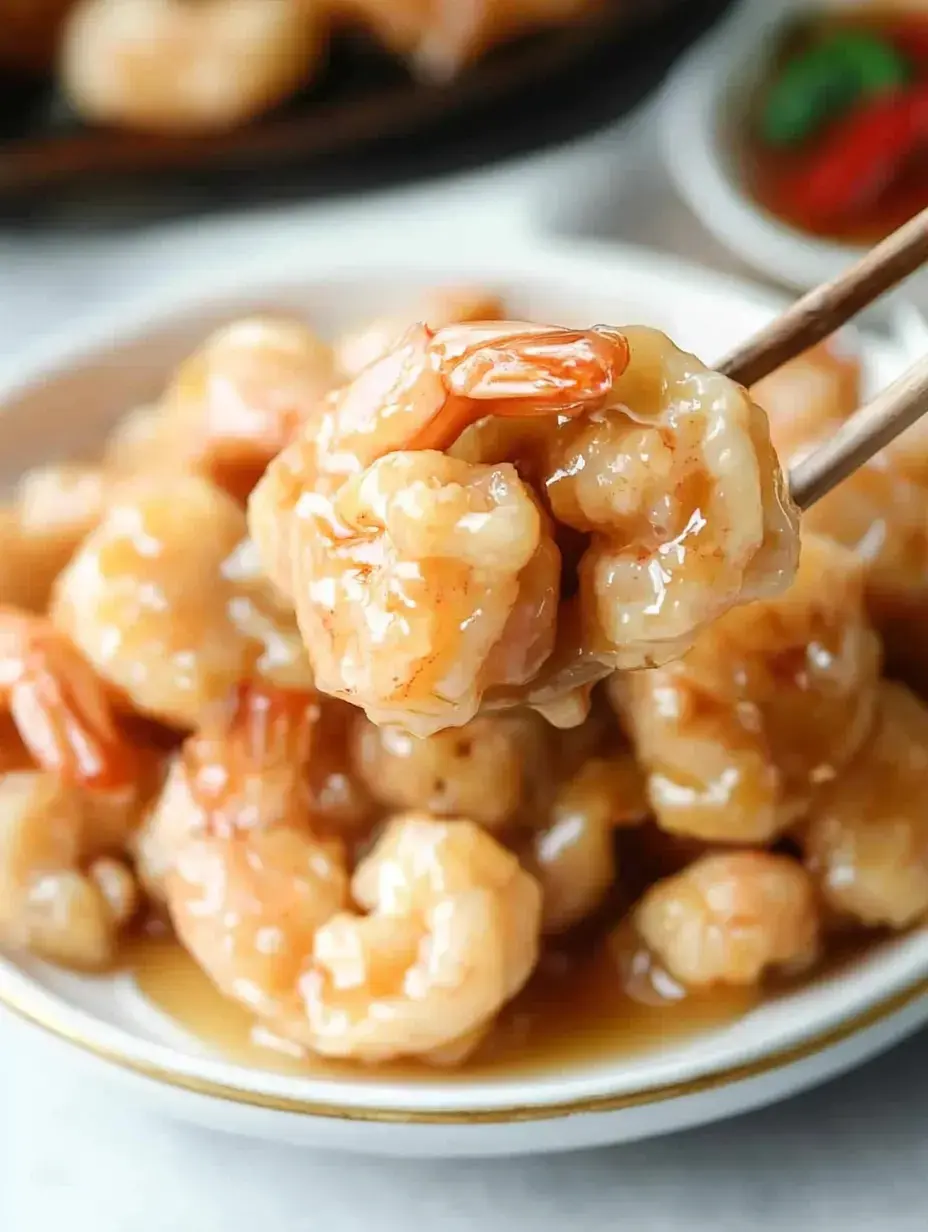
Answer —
442 306
451 935
773 699
247 907
866 842
440 38
266 758
809 397
238 400
489 770
880 511
727 919
573 856
386 543
680 493
170 66
230 847
166 601
421 395
61 708
52 509
57 898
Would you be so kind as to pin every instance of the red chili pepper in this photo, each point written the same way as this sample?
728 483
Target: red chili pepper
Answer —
860 157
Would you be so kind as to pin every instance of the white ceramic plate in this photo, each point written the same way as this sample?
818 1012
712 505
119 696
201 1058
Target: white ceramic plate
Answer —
60 401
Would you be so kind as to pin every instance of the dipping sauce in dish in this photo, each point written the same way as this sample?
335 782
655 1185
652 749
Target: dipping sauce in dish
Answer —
835 140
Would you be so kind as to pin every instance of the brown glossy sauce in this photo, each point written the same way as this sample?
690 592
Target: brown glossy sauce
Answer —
573 1009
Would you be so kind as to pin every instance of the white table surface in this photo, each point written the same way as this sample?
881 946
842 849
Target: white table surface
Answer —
74 1155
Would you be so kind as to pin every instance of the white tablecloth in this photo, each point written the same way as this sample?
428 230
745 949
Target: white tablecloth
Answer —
73 1155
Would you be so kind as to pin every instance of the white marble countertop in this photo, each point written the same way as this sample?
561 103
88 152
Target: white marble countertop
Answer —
852 1156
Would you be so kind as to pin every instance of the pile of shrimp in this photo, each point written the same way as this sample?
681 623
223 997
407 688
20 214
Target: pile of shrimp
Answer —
173 66
380 669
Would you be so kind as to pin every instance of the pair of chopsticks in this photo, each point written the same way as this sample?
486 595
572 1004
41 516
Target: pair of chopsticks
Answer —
814 317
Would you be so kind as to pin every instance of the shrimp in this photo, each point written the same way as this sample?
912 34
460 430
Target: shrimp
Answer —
866 840
452 934
727 918
880 511
684 504
59 896
357 349
237 401
166 600
424 581
53 509
773 699
809 397
170 66
490 770
231 849
61 709
419 579
266 758
440 38
573 856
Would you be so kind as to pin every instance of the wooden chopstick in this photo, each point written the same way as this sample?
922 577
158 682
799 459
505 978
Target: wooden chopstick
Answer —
893 410
831 305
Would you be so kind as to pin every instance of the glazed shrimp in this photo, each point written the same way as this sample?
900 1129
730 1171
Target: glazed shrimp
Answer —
62 896
663 470
491 770
169 66
238 400
266 758
166 600
727 918
866 841
573 856
61 708
451 935
231 848
419 579
52 510
773 699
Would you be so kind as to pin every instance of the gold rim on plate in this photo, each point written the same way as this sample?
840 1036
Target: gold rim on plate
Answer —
48 1019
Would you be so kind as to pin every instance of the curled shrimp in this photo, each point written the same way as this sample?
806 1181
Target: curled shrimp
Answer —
264 759
727 918
165 65
61 708
232 849
772 700
63 894
419 579
661 469
866 839
239 398
166 600
450 936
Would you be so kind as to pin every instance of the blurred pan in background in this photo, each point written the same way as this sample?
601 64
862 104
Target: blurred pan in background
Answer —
364 121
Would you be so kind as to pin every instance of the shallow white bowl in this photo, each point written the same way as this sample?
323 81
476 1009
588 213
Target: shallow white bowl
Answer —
703 102
61 400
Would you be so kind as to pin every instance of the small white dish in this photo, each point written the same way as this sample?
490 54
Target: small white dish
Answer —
704 98
61 399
